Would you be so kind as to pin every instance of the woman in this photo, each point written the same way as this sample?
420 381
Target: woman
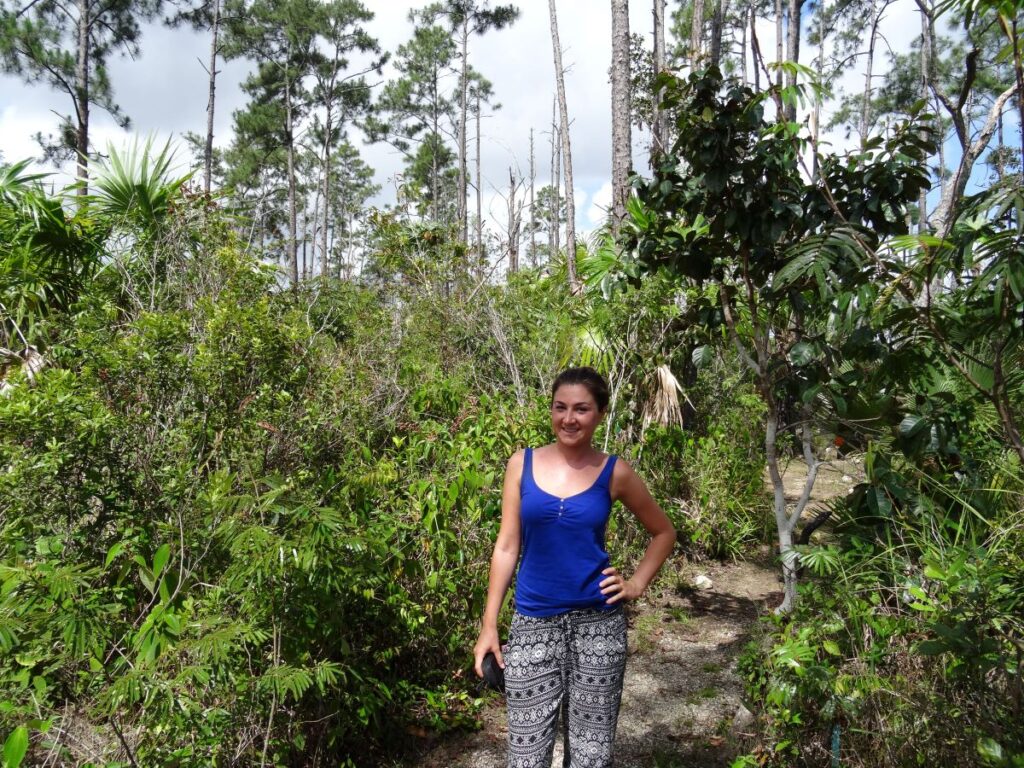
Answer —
567 644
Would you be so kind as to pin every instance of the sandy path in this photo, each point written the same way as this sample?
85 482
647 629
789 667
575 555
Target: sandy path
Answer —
682 691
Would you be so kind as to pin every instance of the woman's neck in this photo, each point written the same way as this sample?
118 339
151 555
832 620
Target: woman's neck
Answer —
575 455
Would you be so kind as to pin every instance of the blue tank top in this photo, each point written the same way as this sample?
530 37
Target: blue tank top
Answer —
563 550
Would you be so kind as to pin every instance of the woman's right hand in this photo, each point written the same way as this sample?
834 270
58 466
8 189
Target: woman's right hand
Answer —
487 643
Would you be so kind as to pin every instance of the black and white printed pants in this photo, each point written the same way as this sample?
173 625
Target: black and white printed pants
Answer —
574 662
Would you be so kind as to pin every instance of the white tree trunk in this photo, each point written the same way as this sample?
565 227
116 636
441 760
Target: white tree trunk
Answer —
570 219
208 147
659 122
82 94
621 143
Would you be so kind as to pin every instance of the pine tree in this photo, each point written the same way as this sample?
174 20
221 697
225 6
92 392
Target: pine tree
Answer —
418 113
66 46
467 18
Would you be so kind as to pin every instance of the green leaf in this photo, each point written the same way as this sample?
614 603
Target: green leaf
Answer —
160 559
15 747
990 749
802 353
146 577
702 355
912 425
112 553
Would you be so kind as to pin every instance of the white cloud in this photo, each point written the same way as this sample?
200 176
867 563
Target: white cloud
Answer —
165 92
600 204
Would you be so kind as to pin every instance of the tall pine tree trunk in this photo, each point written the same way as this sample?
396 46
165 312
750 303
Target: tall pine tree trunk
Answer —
621 144
563 109
82 95
533 217
514 219
865 110
819 70
479 196
293 245
324 252
208 147
780 36
659 121
717 25
463 109
743 49
752 19
556 185
922 202
696 32
793 51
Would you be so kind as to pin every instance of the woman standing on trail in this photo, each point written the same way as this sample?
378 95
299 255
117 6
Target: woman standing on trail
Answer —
567 643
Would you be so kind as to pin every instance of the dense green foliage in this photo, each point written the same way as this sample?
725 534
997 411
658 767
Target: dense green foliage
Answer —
907 647
242 525
246 525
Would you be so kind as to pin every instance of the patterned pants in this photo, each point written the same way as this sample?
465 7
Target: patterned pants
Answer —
574 662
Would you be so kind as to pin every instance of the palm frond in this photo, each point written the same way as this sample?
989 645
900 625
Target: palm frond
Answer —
137 186
662 405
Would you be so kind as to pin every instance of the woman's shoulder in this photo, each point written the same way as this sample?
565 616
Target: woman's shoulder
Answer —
622 470
516 460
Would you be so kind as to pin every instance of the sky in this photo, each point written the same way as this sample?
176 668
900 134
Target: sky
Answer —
164 91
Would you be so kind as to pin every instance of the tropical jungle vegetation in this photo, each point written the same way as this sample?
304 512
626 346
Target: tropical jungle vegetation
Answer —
246 509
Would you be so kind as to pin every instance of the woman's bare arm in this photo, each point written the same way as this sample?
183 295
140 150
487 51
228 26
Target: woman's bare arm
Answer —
627 487
503 564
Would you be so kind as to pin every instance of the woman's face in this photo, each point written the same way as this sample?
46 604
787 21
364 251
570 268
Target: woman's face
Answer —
574 415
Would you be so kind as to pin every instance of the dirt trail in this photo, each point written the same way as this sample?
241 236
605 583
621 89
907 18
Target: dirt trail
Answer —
682 700
682 691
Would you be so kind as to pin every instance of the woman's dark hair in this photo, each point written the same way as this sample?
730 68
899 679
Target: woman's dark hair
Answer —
587 377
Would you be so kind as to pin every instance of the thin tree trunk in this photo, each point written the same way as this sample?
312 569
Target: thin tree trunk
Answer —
570 219
344 223
293 246
533 216
208 148
743 52
926 53
513 225
779 37
793 51
945 212
324 252
435 190
621 144
305 271
479 194
659 124
463 108
819 70
865 111
782 527
696 32
1000 151
556 184
717 24
82 95
753 43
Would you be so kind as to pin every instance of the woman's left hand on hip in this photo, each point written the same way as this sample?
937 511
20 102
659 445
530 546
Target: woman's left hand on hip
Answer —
617 588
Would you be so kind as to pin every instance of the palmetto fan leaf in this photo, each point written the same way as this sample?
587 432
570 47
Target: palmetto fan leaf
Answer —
46 255
137 186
